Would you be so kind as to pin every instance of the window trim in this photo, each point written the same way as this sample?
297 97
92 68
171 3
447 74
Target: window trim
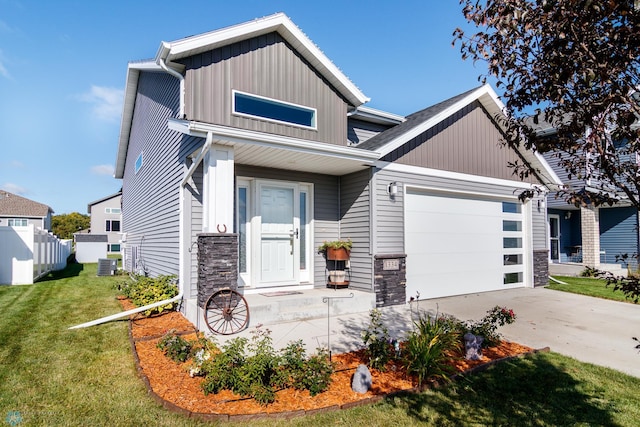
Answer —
265 99
108 226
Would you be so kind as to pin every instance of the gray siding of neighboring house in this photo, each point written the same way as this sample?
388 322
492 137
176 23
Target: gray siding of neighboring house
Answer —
211 76
618 233
359 131
389 217
554 200
466 142
355 224
325 204
150 206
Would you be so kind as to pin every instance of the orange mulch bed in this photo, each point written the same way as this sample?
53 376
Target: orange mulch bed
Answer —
170 383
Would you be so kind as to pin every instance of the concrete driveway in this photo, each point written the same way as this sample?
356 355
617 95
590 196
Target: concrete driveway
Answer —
589 329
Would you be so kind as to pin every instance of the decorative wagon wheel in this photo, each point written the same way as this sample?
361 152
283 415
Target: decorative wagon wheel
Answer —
226 312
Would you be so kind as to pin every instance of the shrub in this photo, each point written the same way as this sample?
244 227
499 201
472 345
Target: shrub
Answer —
175 347
431 343
146 290
253 368
488 325
378 347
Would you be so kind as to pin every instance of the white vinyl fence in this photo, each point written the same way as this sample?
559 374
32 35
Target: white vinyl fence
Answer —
27 253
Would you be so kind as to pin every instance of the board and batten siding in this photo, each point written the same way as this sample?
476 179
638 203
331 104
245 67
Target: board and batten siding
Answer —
265 66
150 197
325 206
466 142
355 224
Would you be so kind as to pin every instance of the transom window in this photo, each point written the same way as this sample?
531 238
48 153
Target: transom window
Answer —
273 110
20 222
112 210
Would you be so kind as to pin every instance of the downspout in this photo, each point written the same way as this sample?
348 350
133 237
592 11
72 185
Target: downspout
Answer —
205 148
161 61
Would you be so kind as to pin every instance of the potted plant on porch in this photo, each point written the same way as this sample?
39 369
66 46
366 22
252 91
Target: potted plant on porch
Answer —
336 250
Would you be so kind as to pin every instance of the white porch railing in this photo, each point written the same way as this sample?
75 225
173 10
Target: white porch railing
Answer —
27 253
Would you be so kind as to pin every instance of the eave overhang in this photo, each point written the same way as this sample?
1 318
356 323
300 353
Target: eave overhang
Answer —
275 151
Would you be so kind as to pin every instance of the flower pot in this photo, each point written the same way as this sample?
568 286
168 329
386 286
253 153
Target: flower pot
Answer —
337 276
340 254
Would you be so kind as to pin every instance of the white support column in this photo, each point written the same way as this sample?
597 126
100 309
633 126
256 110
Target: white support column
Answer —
218 190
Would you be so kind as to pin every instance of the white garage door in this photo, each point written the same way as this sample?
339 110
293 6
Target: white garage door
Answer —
459 245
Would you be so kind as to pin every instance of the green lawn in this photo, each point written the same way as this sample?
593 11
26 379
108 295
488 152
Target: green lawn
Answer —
587 286
50 375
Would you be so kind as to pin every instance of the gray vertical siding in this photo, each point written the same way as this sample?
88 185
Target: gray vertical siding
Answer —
355 225
466 142
150 198
265 66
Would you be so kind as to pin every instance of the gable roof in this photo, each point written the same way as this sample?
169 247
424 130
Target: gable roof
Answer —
169 52
118 194
423 120
12 204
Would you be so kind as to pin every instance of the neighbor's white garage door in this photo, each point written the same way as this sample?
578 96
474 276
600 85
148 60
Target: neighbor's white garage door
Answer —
458 245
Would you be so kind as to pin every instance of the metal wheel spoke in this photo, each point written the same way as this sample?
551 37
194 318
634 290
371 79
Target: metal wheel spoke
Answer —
226 312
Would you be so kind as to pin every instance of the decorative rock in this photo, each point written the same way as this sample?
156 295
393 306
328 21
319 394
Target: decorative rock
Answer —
473 346
361 381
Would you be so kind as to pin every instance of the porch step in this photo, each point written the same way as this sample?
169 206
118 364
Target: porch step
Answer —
307 304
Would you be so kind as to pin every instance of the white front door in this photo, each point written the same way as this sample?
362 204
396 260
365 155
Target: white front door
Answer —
279 242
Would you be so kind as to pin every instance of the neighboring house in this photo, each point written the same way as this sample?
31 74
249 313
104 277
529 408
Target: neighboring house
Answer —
18 211
588 235
106 218
251 135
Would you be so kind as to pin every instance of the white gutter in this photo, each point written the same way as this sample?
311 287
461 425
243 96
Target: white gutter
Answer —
182 278
161 58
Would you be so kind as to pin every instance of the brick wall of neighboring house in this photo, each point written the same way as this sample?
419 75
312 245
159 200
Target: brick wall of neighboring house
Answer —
590 224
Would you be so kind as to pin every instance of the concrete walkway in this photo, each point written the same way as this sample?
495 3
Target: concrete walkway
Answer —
589 329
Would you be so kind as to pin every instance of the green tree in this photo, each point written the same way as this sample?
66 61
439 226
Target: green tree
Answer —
65 225
574 66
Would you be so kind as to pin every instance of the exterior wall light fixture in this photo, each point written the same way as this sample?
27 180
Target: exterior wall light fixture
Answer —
392 189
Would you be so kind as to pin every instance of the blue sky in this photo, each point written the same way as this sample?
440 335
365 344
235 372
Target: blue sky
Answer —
63 67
